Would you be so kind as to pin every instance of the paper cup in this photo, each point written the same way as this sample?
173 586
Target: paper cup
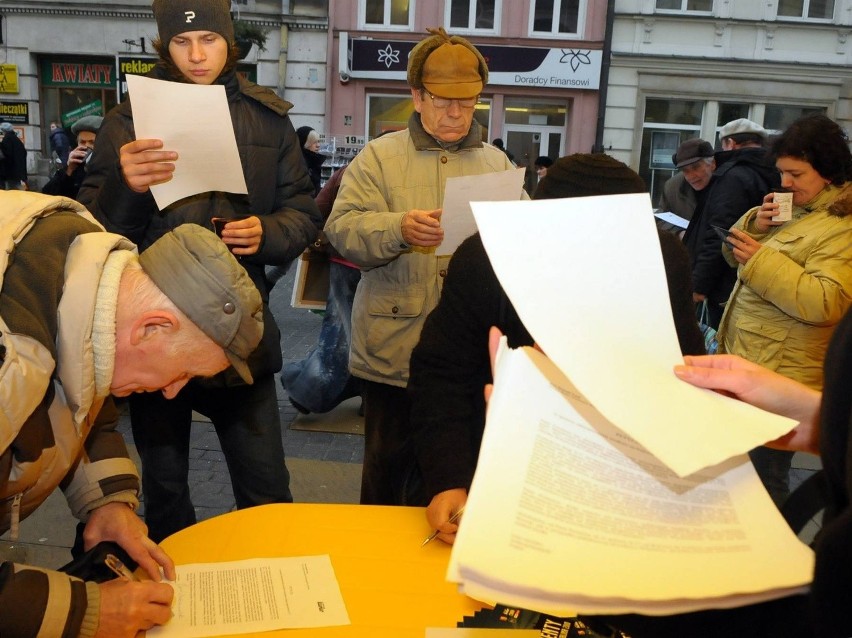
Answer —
785 206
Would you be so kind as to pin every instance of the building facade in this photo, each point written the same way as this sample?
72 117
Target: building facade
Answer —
62 61
544 56
683 68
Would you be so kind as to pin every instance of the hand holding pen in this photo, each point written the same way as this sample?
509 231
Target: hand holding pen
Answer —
455 517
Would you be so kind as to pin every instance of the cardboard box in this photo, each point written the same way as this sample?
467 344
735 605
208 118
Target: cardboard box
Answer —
310 288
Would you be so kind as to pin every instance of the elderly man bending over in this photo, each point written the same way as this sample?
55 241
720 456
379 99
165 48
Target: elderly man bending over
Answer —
82 316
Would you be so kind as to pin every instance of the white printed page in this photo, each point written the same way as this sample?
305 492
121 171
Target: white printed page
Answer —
561 492
457 218
255 595
194 121
590 286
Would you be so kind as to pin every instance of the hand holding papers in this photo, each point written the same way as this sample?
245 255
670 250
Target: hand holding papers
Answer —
457 218
593 295
196 124
598 455
585 497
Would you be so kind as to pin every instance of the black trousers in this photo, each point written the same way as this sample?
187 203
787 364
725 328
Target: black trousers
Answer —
390 475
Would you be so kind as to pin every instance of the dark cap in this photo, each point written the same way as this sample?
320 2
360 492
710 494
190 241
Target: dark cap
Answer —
203 279
90 123
179 16
588 174
447 66
691 151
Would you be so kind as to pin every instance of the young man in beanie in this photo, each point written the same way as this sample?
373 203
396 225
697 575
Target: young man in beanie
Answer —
450 365
66 181
196 45
387 219
82 317
744 174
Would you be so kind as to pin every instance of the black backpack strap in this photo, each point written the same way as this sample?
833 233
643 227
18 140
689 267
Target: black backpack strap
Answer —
806 501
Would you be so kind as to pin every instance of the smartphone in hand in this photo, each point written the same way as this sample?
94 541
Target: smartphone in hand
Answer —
723 233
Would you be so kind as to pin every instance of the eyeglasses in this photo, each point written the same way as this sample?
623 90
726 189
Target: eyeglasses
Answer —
444 103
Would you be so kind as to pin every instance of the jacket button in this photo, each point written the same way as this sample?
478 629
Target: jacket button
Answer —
444 159
443 272
395 309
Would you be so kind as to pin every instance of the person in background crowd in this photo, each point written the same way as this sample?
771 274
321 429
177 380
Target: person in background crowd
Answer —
387 219
450 365
744 174
498 142
82 317
541 164
321 381
66 181
686 191
60 143
196 44
794 279
309 140
13 160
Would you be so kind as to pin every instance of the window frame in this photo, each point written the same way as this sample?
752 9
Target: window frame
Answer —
804 17
495 30
582 10
385 26
684 8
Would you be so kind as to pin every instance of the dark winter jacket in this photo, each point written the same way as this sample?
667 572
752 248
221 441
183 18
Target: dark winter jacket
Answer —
741 179
280 192
14 158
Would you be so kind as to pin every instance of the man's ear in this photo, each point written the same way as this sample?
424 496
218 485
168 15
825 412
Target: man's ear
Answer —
152 323
417 96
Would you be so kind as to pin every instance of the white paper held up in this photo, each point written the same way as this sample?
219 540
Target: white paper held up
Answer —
194 121
457 218
584 520
591 289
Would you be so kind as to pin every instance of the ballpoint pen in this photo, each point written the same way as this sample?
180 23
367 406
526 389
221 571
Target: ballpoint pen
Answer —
434 534
119 568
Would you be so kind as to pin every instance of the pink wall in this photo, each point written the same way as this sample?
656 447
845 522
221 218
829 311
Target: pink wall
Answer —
349 99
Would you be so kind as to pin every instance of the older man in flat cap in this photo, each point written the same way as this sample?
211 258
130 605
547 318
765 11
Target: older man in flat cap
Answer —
744 174
387 219
83 317
67 180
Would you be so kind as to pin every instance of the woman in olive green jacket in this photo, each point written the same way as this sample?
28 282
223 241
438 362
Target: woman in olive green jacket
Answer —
795 277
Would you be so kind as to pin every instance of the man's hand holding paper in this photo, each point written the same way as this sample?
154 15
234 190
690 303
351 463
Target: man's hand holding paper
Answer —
144 163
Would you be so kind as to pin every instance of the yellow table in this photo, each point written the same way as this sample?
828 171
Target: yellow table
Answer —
391 585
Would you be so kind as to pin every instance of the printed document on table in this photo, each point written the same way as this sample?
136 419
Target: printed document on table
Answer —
591 288
250 596
194 121
457 218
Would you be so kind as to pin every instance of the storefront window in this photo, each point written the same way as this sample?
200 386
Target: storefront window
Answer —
391 113
521 111
473 15
807 9
556 17
390 14
72 88
778 117
668 123
704 6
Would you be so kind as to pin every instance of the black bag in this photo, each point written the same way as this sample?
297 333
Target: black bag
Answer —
92 565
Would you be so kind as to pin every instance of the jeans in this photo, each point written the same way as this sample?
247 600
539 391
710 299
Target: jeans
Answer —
249 429
320 381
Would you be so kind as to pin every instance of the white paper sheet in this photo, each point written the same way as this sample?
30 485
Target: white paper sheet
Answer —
587 279
457 218
250 596
194 121
560 491
673 219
